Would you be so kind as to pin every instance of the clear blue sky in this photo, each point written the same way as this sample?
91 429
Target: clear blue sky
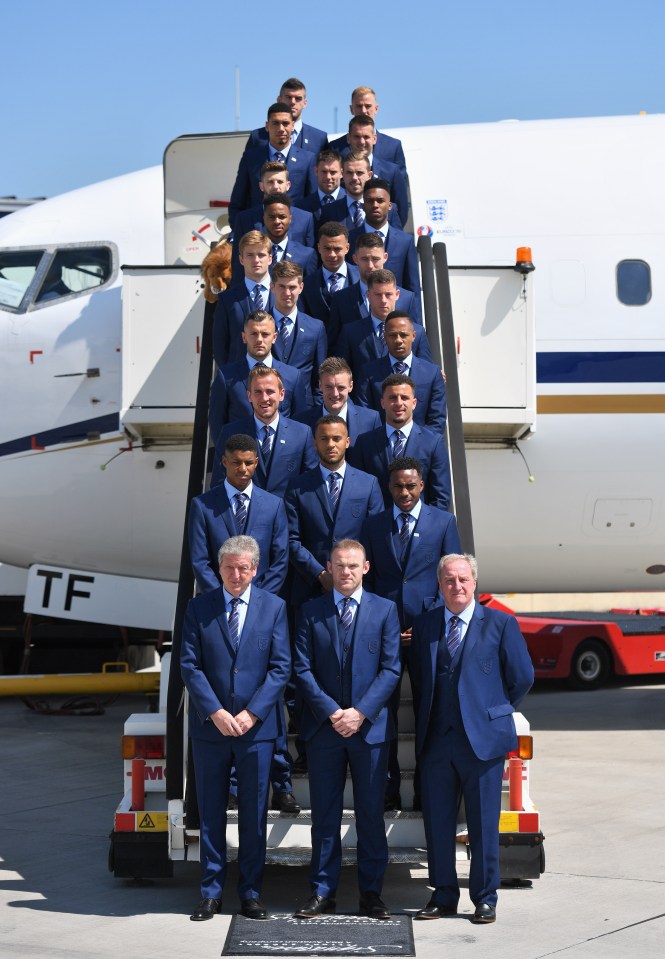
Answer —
92 90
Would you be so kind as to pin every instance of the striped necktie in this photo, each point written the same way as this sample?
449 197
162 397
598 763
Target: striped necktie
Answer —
400 367
399 442
266 443
336 282
454 635
241 512
257 297
404 531
335 485
234 623
346 616
358 215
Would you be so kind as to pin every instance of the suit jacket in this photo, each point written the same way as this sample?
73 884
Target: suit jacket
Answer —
495 676
301 230
402 258
430 389
228 395
316 300
359 345
386 148
233 306
309 138
338 212
212 521
304 256
312 204
246 192
292 453
313 529
410 581
358 419
218 678
348 306
372 453
375 664
307 348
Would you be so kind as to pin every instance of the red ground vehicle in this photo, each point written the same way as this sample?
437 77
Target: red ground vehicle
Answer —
586 648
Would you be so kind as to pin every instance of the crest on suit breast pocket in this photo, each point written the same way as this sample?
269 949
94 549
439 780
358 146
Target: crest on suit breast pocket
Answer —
486 665
264 642
373 644
356 509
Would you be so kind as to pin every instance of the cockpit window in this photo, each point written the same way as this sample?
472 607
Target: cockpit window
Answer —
75 271
17 271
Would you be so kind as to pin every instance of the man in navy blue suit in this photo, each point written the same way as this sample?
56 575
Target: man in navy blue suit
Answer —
294 95
362 139
335 384
402 437
235 508
299 163
242 298
301 339
346 663
274 179
403 545
285 447
325 504
363 101
333 275
277 222
399 334
235 662
328 171
362 341
349 209
470 671
228 397
402 256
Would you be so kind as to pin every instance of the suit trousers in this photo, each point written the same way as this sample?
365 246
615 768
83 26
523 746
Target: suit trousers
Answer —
212 765
449 768
328 755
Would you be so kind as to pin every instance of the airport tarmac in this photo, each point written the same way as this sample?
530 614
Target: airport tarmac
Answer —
598 778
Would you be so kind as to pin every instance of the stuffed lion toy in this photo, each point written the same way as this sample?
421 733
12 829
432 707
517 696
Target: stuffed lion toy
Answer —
216 270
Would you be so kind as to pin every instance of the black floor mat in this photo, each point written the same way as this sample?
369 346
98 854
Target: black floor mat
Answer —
332 935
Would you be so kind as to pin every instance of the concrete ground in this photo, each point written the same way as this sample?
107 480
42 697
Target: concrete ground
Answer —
598 777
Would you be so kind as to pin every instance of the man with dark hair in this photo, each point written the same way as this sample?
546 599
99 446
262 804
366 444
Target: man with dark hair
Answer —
402 545
363 341
328 171
346 663
402 437
299 163
402 257
285 447
362 139
399 335
293 94
335 385
333 275
236 508
301 339
228 396
235 663
363 101
276 222
470 671
325 504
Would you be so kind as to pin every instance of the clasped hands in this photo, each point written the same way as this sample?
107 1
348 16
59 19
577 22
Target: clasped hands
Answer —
229 725
346 722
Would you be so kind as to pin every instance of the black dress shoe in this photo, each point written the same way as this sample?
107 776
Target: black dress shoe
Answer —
285 802
372 905
232 801
253 909
391 803
316 906
434 910
206 909
484 913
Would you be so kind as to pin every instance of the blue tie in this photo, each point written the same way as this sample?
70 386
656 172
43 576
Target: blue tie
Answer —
358 215
404 531
346 614
336 282
454 635
335 481
241 512
280 156
257 297
265 443
234 623
399 442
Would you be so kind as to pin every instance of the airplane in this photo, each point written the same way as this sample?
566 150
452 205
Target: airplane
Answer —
97 514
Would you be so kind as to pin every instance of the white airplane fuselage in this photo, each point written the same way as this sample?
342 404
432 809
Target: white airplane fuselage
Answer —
585 195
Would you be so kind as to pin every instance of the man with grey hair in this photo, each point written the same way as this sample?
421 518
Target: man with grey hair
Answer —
235 662
470 671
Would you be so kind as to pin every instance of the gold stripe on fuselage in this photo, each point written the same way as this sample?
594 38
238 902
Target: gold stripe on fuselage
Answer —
616 403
